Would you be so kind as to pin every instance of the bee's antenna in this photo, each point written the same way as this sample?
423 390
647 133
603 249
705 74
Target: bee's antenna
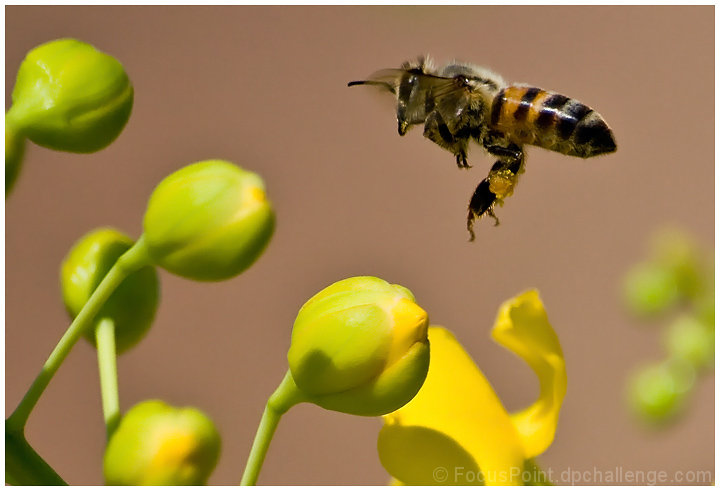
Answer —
373 82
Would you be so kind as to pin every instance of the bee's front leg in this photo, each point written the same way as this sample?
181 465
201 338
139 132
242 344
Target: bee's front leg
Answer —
437 131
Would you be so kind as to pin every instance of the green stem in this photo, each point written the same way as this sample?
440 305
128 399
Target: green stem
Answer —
285 396
14 151
107 364
536 474
133 259
23 466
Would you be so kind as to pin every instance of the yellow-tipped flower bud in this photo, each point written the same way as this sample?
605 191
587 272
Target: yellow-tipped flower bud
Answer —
132 305
159 445
360 346
69 96
208 221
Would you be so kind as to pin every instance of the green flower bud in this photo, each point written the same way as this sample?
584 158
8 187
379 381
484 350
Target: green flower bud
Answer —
650 289
131 306
69 96
680 254
689 339
705 310
159 445
208 221
360 346
659 392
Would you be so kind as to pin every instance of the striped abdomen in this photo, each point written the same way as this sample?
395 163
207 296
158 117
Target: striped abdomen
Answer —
553 121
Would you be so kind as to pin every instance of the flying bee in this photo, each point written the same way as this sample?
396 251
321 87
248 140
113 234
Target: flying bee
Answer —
460 102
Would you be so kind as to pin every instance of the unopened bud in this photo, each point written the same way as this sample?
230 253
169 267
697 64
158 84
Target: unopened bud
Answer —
69 96
360 346
208 221
159 445
131 306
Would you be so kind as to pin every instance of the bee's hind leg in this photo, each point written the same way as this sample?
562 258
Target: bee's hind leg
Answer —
499 184
482 202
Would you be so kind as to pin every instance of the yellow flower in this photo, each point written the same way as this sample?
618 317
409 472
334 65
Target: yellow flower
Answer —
456 430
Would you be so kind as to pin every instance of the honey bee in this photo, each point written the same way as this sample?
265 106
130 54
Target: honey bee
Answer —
459 102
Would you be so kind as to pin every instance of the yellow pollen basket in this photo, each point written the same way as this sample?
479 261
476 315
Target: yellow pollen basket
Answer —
502 183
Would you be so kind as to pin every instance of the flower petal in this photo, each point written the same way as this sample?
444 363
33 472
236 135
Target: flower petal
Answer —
522 327
456 422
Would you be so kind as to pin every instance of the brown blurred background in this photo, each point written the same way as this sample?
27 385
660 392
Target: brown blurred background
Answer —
265 87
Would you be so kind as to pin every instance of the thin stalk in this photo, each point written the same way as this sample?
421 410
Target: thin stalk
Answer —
285 396
107 364
133 259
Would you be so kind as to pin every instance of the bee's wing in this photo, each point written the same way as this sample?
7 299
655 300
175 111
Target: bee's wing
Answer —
427 91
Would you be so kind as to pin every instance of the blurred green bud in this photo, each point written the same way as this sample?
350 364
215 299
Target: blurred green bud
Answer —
691 340
69 96
159 445
360 346
681 255
208 221
705 310
659 392
131 306
650 289
14 153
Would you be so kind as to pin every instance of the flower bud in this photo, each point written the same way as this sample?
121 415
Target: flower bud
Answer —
208 221
159 445
69 96
131 306
659 392
691 340
360 346
650 289
681 255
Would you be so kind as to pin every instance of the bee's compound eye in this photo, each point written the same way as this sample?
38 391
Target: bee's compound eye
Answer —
462 80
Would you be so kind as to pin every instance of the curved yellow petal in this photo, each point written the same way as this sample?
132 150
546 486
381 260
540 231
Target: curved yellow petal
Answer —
522 327
455 422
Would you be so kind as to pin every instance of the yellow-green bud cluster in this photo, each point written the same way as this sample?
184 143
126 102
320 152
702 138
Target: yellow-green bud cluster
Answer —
678 277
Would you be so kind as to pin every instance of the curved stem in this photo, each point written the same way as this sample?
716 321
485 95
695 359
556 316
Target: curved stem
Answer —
23 465
133 259
285 396
107 364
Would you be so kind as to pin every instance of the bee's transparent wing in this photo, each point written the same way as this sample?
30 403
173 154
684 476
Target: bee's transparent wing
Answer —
416 93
